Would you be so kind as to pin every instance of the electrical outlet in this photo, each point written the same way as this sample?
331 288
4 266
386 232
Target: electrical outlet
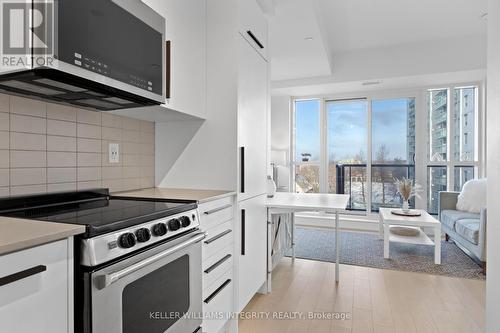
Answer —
114 153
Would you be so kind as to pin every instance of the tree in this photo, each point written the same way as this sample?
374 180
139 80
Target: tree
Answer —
381 157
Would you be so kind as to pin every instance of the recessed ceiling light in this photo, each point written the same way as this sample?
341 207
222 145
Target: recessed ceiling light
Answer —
370 83
308 38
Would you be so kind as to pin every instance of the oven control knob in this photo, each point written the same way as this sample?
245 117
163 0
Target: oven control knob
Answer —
143 235
185 221
159 229
174 224
127 240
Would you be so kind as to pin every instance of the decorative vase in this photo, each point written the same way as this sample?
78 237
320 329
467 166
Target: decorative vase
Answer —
271 187
406 206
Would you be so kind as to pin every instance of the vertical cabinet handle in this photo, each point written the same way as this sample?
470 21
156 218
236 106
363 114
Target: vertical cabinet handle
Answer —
242 169
242 232
168 45
255 39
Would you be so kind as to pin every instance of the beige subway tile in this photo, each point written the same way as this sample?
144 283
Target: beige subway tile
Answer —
4 177
4 140
4 191
111 120
114 185
28 124
147 137
61 112
88 185
88 131
61 175
28 189
89 159
132 160
148 160
131 124
61 159
147 172
147 182
27 141
28 176
88 117
147 149
28 107
131 184
85 174
89 145
4 158
61 187
4 103
4 121
131 148
112 134
59 127
114 172
28 159
131 172
61 143
147 126
131 136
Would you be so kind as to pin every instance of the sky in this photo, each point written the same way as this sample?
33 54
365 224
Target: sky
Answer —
347 128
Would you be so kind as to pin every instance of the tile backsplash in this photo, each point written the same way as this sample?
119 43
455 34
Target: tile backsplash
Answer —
46 147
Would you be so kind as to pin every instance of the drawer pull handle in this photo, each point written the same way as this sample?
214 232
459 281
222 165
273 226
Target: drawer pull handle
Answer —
222 234
255 39
22 274
215 210
217 264
217 291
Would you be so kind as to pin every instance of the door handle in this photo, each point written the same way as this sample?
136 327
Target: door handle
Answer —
243 217
22 275
106 280
242 169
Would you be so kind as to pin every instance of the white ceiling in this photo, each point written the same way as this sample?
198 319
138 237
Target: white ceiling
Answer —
344 31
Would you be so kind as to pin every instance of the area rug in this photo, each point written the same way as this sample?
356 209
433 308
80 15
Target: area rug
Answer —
366 249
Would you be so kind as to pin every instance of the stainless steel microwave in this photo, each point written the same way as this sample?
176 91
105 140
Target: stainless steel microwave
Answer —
103 54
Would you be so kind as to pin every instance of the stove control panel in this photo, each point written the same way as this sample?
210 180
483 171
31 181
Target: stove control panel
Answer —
100 249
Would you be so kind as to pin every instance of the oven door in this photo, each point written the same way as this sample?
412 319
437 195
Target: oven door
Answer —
156 291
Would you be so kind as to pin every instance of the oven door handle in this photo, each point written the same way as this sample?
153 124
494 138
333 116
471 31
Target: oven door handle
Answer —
106 280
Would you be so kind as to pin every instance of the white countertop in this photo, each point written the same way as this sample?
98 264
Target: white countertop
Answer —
308 201
177 193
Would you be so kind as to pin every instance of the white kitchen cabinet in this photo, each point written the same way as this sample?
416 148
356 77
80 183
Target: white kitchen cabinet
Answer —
186 30
252 121
253 26
252 248
37 290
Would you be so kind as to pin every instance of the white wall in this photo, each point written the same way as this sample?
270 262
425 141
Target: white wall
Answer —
280 123
493 169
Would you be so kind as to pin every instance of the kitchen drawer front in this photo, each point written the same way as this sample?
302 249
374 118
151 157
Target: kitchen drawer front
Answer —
218 303
217 265
216 212
35 286
217 239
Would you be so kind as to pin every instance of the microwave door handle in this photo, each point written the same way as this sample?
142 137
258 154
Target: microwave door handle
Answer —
106 280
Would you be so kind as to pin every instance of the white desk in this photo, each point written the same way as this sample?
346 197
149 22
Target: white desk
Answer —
284 202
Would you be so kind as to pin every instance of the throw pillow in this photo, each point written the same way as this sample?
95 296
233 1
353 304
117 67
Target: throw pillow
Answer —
473 196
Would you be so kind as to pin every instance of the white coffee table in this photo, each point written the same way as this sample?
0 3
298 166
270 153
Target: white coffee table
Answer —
425 220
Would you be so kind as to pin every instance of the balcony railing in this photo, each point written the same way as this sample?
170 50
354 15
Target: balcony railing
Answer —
352 179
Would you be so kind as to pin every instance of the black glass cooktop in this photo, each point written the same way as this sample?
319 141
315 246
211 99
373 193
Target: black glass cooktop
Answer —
100 213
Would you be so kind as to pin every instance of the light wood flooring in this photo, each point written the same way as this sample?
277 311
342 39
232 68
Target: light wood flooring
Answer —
377 300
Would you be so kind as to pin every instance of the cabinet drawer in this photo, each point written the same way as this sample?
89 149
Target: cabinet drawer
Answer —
216 212
34 286
217 265
218 303
217 239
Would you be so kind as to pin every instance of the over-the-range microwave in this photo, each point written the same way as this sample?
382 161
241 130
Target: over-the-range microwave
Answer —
98 54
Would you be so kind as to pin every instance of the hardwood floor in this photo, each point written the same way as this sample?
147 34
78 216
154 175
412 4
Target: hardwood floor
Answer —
375 300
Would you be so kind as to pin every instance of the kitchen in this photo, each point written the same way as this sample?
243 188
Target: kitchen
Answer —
138 158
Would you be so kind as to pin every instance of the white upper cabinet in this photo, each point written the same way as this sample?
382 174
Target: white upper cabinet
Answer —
253 26
186 31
